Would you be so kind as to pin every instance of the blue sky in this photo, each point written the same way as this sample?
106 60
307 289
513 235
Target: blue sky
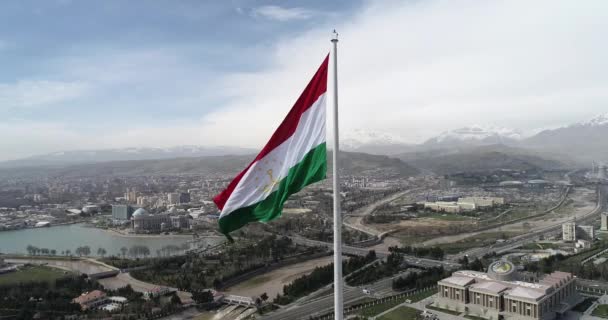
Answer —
139 60
112 74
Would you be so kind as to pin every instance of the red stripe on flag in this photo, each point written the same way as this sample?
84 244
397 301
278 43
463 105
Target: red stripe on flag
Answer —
315 88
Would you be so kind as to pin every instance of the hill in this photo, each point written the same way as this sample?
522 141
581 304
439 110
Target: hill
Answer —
471 159
352 164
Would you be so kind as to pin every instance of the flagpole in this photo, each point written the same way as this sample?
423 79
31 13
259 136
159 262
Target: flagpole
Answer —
338 303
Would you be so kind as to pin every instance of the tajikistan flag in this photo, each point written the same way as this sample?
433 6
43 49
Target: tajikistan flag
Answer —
294 157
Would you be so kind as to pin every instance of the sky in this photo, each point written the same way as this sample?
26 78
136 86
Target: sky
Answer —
112 74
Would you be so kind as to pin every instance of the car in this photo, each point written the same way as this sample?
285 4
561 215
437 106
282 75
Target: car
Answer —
367 291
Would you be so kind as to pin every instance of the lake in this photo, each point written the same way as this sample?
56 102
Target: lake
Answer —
70 237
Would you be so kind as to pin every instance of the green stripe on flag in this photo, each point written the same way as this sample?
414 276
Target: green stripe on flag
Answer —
311 169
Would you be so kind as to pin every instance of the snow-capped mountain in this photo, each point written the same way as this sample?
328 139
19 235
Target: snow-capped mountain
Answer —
123 154
375 142
476 135
586 140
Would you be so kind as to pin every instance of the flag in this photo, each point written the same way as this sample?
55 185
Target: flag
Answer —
294 157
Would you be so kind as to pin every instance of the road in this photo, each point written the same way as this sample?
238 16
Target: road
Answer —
349 250
602 194
354 220
318 306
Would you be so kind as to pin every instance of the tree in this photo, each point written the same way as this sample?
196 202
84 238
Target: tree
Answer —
68 252
124 250
53 252
101 252
202 296
176 300
264 296
86 250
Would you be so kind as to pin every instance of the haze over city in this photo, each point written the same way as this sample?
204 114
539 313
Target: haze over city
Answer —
176 159
113 74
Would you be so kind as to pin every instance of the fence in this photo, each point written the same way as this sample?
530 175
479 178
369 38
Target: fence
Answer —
357 307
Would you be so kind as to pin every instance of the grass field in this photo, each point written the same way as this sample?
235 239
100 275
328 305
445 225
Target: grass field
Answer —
401 313
601 311
31 274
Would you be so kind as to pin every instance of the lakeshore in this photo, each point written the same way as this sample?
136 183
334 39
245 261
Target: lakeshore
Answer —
62 238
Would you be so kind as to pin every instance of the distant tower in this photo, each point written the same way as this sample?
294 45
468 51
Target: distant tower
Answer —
604 219
601 171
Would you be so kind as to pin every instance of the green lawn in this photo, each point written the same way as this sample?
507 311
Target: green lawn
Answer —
31 274
401 313
601 311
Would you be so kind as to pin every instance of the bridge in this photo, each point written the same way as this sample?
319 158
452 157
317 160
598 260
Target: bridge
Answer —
238 300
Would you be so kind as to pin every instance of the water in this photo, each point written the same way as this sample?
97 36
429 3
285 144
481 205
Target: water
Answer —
70 237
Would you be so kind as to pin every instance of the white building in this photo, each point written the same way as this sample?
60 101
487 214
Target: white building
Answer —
173 198
143 221
569 231
604 218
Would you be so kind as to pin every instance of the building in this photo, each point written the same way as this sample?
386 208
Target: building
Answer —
585 232
173 198
443 206
498 294
569 231
91 300
142 221
131 196
184 197
604 219
180 222
122 212
481 202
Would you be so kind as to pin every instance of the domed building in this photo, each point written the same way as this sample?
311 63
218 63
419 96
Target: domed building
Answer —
142 221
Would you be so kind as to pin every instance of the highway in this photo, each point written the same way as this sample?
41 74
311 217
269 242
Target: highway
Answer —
602 193
349 250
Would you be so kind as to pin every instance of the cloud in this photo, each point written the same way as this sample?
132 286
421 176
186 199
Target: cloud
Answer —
282 14
414 68
36 93
420 68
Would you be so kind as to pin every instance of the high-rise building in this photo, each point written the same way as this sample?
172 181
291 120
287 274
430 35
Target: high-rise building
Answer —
122 212
173 198
184 197
569 231
131 196
604 218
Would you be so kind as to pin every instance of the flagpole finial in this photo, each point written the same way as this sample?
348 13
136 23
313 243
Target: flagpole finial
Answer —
334 36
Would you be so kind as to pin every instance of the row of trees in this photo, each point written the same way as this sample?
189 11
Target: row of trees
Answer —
429 252
378 270
419 280
134 252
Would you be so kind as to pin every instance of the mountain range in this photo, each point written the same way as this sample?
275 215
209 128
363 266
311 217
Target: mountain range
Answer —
471 148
